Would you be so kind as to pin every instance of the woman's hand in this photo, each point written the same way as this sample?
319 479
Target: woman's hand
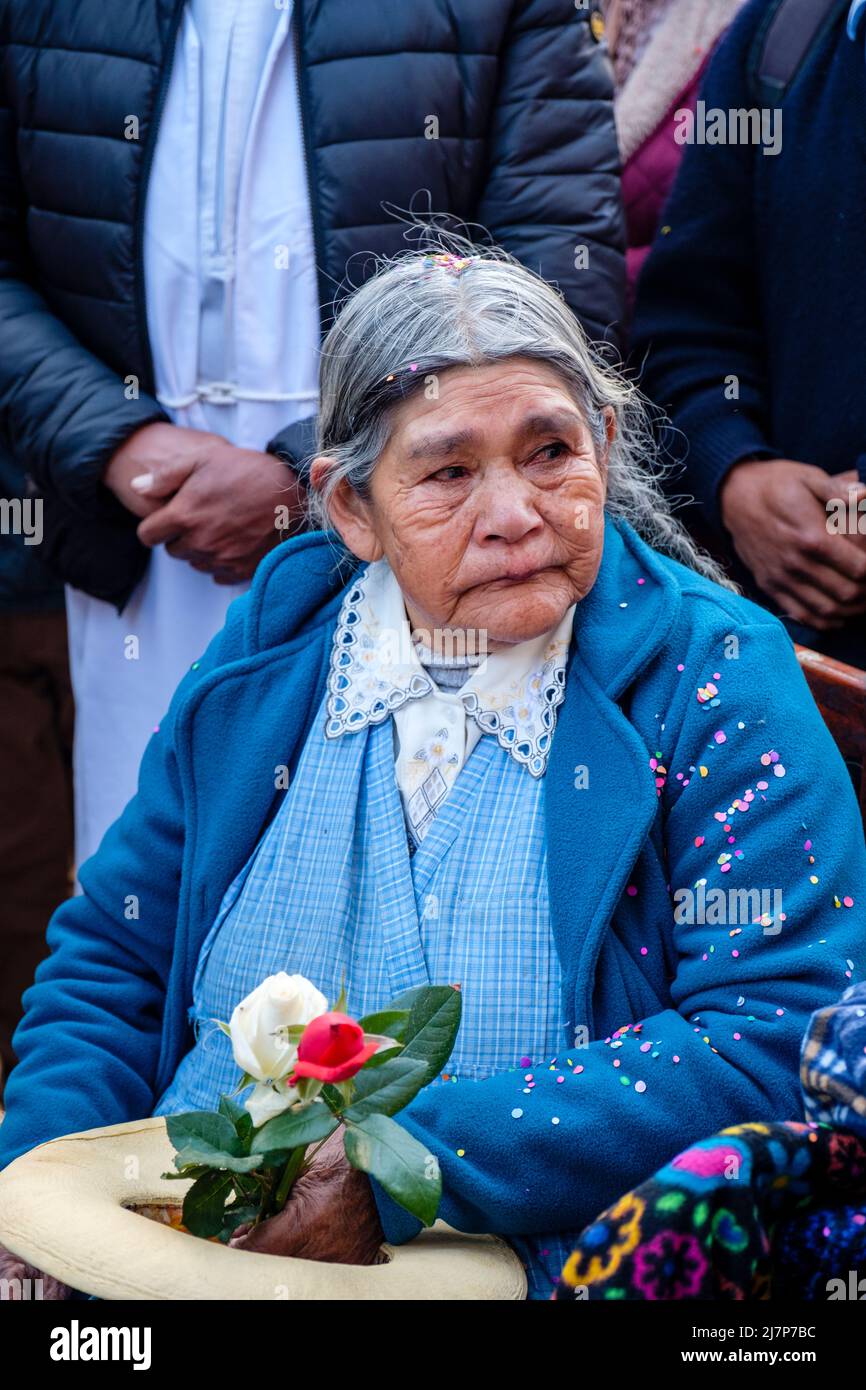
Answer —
13 1273
331 1215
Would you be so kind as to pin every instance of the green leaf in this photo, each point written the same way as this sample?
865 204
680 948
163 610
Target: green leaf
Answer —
347 1090
245 1081
379 1146
216 1131
434 1020
406 1001
239 1117
339 1007
235 1216
232 1110
295 1128
196 1171
379 1059
204 1204
389 1023
291 1032
197 1153
203 1137
386 1089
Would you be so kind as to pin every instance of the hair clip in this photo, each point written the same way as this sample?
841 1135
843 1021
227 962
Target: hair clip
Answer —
446 260
392 376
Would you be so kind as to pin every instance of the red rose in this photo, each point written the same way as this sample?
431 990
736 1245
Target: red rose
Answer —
332 1048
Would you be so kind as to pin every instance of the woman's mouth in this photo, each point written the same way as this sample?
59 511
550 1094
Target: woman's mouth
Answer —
519 576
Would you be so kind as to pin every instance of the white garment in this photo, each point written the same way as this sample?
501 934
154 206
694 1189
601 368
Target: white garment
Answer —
232 297
376 672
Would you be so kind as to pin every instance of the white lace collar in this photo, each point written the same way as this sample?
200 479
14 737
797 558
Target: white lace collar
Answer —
375 671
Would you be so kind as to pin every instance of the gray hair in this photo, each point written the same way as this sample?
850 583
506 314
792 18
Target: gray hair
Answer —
415 318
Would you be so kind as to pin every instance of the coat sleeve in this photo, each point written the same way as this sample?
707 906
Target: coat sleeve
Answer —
552 196
726 1050
296 446
62 410
89 1041
697 329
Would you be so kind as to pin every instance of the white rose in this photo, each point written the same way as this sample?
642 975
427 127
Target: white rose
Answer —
265 1102
278 1002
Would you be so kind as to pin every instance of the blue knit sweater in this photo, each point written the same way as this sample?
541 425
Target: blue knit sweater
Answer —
649 790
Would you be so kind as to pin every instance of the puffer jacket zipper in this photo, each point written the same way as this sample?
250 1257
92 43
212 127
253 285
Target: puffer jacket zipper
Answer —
147 162
309 152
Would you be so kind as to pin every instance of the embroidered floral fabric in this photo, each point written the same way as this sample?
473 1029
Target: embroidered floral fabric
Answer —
757 1211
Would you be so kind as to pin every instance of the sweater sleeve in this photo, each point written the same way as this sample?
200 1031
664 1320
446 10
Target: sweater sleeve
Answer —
552 196
89 1041
726 1050
698 327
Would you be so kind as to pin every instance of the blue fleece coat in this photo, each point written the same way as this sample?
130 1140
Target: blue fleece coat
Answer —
648 790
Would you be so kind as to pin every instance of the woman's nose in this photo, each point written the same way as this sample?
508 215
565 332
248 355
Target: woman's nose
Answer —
506 512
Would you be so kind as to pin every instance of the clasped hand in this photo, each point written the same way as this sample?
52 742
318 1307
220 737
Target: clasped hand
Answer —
208 502
777 512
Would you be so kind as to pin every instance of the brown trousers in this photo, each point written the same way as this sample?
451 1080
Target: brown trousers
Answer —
36 840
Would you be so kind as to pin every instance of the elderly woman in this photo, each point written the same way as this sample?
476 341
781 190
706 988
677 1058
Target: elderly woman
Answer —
509 734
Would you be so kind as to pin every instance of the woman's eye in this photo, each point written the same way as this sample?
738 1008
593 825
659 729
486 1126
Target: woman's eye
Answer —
448 474
551 453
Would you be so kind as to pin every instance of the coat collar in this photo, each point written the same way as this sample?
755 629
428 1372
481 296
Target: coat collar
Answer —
598 761
628 612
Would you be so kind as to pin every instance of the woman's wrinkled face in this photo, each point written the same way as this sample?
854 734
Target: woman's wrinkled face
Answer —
487 502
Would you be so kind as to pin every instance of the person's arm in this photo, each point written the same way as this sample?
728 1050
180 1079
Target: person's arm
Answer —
89 1041
727 1049
552 196
61 408
697 331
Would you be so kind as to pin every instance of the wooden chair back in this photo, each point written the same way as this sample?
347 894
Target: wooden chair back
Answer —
840 694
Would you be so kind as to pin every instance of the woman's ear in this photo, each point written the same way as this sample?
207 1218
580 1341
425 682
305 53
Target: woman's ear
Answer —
609 427
603 451
349 514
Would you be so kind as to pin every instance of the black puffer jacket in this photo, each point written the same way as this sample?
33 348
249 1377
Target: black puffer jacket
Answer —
526 147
